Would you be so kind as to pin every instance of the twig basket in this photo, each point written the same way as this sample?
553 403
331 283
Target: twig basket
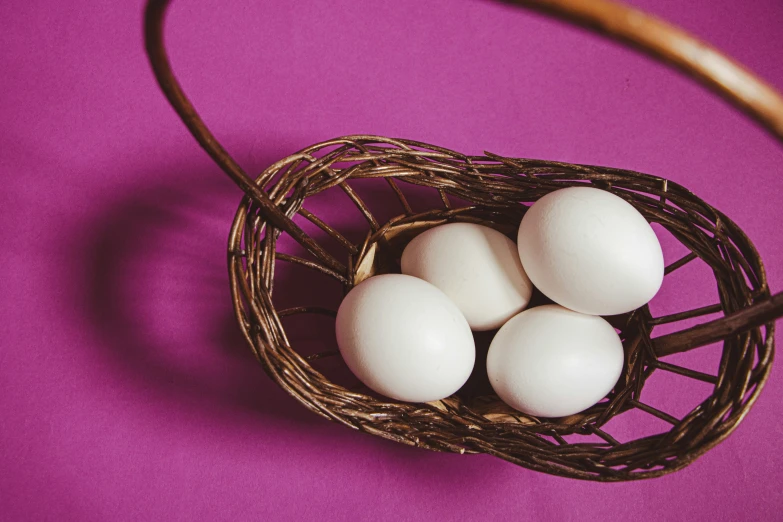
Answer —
496 191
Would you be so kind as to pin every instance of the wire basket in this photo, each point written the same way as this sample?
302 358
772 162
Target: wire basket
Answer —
496 191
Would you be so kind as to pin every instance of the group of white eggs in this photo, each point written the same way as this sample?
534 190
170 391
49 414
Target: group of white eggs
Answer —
408 336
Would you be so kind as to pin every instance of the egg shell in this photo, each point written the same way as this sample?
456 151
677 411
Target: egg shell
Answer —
549 361
476 266
591 251
403 338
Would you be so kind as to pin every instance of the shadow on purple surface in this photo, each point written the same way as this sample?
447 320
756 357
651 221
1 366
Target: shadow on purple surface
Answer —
156 282
159 297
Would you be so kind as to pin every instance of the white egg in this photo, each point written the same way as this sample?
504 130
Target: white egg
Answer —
403 338
591 251
476 266
551 362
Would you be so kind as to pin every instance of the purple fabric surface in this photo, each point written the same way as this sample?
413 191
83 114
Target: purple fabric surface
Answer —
126 392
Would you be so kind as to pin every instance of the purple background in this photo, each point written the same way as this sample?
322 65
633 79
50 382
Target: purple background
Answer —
126 392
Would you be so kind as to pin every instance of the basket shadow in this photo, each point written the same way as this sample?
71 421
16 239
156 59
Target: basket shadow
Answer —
159 300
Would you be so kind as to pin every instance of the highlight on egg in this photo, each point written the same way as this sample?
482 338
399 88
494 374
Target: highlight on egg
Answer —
476 266
405 339
591 251
550 361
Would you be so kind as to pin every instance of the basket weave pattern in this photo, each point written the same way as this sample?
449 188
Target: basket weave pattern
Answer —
499 190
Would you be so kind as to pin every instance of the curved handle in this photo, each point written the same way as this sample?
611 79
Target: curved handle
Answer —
631 26
674 46
153 37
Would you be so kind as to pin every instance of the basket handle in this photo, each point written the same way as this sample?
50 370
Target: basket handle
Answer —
675 47
647 33
153 37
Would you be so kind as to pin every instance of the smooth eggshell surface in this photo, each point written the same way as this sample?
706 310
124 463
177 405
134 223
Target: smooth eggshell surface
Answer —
403 338
590 251
476 266
549 361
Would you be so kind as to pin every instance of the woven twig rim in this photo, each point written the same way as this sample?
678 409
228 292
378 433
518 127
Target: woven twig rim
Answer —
499 188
